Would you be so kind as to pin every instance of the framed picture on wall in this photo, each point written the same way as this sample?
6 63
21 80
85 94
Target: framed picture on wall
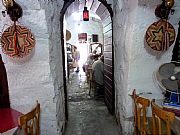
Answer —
82 37
95 38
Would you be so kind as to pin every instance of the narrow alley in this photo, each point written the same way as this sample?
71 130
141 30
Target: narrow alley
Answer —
87 116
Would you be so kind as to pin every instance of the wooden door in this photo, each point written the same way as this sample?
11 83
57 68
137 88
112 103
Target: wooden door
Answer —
109 93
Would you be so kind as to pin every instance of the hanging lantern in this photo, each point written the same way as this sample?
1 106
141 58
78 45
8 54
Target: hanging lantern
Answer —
85 14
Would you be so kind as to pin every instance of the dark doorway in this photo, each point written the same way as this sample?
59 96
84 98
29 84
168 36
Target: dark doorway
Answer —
4 91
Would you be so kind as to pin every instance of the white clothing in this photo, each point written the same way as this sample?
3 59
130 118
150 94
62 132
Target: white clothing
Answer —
98 71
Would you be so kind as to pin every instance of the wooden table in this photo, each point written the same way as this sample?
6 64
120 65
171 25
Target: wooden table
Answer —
10 132
175 126
8 121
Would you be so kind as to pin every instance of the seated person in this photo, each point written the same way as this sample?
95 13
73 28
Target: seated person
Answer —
95 57
98 75
88 63
90 59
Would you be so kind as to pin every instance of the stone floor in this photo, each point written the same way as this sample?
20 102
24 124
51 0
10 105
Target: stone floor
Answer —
87 116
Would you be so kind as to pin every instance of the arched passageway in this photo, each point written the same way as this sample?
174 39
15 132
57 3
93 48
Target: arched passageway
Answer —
104 11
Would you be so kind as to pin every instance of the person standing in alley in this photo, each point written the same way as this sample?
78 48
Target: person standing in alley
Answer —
98 75
76 56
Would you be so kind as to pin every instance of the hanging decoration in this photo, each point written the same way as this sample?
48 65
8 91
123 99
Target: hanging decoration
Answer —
160 35
68 35
169 3
7 3
164 9
13 9
17 41
85 13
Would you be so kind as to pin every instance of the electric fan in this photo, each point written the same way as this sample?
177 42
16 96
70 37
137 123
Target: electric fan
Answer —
168 77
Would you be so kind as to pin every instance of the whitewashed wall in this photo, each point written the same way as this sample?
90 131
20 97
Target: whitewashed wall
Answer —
135 66
52 12
41 77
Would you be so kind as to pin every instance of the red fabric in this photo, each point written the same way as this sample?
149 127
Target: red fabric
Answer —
8 119
176 111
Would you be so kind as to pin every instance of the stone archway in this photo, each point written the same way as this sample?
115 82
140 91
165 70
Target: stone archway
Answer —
109 59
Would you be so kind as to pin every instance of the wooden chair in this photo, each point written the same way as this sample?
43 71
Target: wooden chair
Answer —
30 122
91 82
159 118
141 121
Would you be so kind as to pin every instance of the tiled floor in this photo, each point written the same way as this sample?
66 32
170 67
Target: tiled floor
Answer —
87 116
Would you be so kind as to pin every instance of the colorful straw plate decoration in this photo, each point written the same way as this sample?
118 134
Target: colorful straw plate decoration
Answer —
17 42
160 35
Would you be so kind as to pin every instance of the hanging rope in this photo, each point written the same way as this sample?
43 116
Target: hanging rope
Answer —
15 40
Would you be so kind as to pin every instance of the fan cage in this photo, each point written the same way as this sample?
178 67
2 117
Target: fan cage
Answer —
164 90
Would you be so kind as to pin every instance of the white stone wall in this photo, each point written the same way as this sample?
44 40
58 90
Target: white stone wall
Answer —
121 59
135 66
52 13
41 77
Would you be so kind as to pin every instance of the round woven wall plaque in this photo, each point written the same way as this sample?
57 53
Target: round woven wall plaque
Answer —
17 41
160 35
68 35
